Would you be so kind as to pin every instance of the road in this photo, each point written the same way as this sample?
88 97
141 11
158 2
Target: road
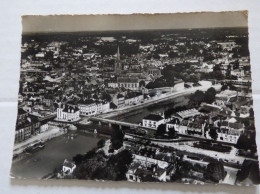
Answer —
214 154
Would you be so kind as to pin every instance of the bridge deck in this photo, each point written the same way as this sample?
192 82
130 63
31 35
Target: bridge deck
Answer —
115 122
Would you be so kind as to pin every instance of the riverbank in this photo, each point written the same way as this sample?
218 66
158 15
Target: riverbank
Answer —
45 136
50 159
205 85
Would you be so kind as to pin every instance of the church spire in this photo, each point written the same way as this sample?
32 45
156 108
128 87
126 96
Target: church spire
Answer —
118 67
118 56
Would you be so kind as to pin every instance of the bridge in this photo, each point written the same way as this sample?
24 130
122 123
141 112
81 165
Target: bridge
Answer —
121 124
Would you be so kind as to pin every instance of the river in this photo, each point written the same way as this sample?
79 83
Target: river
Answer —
51 157
44 161
136 116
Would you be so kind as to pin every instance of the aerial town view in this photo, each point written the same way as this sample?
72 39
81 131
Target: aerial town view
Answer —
140 106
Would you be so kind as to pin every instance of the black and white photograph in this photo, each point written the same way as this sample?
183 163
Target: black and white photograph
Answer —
138 98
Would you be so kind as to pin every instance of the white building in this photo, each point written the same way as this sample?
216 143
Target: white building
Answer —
229 131
91 107
227 45
44 126
40 55
131 83
68 167
134 99
68 113
153 121
112 84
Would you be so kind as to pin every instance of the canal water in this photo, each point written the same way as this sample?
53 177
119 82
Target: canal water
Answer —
136 116
44 161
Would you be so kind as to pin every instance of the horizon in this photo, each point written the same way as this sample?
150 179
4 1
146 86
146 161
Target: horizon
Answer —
134 22
128 31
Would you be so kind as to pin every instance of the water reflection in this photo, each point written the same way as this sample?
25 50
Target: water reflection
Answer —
55 151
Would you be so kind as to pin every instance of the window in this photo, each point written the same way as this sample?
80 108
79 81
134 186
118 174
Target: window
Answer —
131 177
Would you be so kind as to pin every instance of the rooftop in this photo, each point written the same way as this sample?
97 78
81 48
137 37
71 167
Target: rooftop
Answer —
128 79
68 164
188 113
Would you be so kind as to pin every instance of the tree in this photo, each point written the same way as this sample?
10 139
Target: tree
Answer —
213 133
117 137
78 159
210 95
158 83
249 169
208 57
161 130
215 171
106 97
173 54
216 68
224 87
246 141
95 96
251 112
211 91
49 55
142 83
172 132
70 67
168 113
197 98
101 143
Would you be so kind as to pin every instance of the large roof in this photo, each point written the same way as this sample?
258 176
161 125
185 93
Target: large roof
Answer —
232 125
226 94
128 79
69 108
188 113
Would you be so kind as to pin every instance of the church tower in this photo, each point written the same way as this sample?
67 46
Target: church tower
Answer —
117 68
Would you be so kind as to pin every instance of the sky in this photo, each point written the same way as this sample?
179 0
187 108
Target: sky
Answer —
77 23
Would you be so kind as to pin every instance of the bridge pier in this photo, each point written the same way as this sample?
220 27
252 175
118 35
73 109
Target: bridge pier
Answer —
99 123
109 124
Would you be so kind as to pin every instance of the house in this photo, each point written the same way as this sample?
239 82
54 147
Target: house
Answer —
229 130
23 130
68 167
211 109
155 72
93 107
133 98
89 56
26 126
151 166
131 83
40 55
44 126
112 84
153 121
196 127
119 100
225 96
227 45
172 124
178 85
68 113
